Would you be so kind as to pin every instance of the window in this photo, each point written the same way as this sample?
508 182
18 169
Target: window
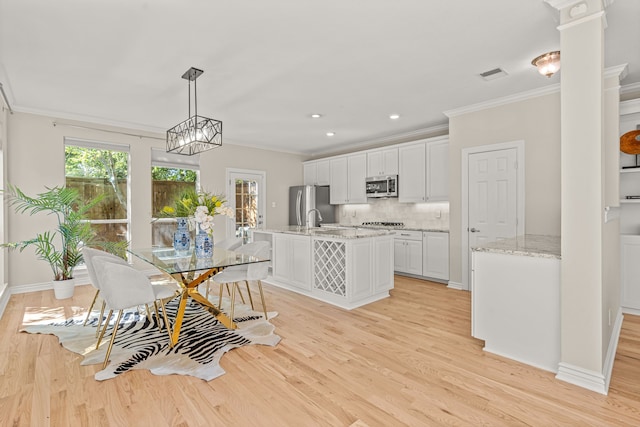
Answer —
171 174
101 169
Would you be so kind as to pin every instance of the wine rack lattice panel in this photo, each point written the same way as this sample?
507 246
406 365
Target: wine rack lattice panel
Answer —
330 270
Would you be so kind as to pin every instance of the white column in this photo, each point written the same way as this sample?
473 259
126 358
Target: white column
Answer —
582 173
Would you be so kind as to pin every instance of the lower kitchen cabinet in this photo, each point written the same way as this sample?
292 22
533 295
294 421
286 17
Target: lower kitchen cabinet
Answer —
630 274
292 260
435 252
407 252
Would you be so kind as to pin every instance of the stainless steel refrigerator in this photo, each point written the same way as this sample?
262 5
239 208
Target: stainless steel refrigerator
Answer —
303 198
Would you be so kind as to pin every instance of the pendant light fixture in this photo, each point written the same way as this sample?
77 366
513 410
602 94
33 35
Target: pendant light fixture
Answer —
197 133
548 64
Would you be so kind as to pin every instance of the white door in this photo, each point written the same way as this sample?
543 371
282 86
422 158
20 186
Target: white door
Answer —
493 196
246 196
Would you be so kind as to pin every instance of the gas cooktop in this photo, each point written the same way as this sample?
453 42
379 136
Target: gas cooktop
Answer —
383 224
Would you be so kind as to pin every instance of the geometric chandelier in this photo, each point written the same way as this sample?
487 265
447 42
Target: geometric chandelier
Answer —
197 133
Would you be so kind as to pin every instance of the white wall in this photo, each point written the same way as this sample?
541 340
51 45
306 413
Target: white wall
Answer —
536 121
35 160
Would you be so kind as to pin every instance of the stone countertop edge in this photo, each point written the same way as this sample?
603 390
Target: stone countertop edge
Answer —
329 233
437 230
533 245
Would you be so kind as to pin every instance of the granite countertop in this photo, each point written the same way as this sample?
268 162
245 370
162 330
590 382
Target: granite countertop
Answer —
333 233
533 245
373 227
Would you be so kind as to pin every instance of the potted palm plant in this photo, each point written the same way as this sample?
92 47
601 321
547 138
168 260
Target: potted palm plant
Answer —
60 247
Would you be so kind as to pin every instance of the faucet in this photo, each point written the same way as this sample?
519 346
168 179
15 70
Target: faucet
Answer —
309 217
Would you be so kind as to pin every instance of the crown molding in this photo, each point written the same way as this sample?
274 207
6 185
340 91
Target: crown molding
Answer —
630 107
522 96
619 71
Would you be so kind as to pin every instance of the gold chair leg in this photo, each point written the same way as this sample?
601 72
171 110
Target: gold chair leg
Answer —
104 329
249 292
95 297
155 306
220 296
146 306
233 300
113 338
167 325
104 305
264 306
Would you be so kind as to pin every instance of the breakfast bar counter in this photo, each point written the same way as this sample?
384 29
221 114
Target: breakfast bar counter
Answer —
515 299
344 267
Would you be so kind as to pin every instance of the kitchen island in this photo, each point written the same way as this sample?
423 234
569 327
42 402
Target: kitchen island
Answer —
344 267
515 299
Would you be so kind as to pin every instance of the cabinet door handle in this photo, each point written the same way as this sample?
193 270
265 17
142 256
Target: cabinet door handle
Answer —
474 230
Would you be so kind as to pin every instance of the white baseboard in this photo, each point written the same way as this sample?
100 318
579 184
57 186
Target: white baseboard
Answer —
5 294
592 380
629 310
455 285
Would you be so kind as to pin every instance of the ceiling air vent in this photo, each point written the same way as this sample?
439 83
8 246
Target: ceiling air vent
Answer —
496 73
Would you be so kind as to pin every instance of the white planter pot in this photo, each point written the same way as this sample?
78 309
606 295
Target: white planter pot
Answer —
63 288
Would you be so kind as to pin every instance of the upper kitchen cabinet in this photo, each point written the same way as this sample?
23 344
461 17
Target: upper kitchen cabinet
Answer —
382 162
412 161
317 173
438 171
423 171
348 174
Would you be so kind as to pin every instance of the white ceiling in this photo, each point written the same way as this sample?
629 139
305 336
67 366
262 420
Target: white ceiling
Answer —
269 64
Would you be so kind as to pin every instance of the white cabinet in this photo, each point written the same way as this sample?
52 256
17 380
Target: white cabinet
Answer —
407 252
292 260
437 171
423 172
411 173
348 174
317 173
346 272
435 252
630 277
382 162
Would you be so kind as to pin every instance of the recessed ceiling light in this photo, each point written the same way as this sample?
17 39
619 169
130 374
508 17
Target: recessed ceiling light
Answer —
331 134
394 116
316 116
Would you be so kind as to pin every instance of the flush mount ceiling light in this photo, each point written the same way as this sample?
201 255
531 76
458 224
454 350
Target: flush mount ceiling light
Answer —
394 116
316 116
548 64
331 134
197 133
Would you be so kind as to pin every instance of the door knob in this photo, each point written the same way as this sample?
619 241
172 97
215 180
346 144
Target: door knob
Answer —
474 230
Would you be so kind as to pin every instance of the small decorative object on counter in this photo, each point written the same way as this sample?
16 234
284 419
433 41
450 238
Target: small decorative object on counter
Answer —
182 236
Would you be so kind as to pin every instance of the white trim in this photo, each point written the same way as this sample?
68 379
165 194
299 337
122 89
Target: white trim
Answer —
96 145
160 158
5 294
455 285
611 350
632 87
619 71
382 142
522 96
466 152
630 310
630 107
591 380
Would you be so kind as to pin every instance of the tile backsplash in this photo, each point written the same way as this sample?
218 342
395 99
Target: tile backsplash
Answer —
413 215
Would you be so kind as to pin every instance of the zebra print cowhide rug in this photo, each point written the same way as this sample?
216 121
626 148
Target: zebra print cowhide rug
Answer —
139 344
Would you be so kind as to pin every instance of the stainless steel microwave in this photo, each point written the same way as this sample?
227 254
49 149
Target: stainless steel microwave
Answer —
382 186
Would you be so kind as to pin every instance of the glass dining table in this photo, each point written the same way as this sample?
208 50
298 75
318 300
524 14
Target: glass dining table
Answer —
190 271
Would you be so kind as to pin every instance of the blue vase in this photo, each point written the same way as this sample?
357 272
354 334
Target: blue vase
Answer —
204 244
182 236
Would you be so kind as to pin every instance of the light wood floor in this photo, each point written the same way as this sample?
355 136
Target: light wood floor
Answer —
406 360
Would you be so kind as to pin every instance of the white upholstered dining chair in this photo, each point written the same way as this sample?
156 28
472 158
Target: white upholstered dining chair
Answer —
122 287
246 273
